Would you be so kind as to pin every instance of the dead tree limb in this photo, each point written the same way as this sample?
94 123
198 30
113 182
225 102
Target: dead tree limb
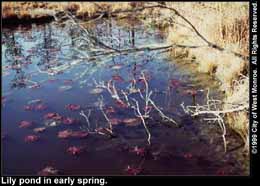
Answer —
213 109
141 116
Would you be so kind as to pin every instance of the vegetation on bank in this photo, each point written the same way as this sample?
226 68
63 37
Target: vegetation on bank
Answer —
225 24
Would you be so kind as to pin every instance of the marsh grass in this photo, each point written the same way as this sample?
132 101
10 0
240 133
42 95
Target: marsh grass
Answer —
227 25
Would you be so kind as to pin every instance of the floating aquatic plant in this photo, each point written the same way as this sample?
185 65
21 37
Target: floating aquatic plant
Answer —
72 134
48 171
132 170
53 116
74 150
31 138
69 121
72 107
25 124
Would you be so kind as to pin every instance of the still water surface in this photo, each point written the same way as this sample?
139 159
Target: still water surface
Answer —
44 70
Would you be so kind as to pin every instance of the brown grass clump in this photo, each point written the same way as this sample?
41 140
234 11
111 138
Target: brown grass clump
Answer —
239 120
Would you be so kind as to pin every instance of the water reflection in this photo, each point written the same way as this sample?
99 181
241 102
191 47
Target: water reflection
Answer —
62 65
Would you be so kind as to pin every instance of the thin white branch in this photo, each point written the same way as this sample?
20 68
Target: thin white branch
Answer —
101 105
86 117
140 115
213 108
163 116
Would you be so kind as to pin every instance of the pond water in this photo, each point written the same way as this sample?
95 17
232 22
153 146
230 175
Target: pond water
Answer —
50 76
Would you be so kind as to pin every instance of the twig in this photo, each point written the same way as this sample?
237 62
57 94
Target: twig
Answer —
86 117
101 105
161 113
213 108
137 109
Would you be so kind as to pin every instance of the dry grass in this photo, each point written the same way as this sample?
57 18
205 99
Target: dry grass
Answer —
27 10
223 23
226 24
239 120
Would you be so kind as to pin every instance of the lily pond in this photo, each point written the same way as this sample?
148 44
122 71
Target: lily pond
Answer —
75 107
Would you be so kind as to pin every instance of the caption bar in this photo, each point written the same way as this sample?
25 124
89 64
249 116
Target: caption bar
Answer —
56 181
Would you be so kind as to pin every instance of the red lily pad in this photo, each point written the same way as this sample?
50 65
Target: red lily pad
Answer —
48 171
31 138
25 124
69 121
140 151
72 134
28 107
79 134
40 107
72 107
132 170
53 115
74 150
64 134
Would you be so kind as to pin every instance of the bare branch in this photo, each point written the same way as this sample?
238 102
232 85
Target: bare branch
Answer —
86 118
140 115
101 105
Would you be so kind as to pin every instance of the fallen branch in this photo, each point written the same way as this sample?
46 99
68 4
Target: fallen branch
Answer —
213 108
141 116
163 116
147 95
101 105
86 118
